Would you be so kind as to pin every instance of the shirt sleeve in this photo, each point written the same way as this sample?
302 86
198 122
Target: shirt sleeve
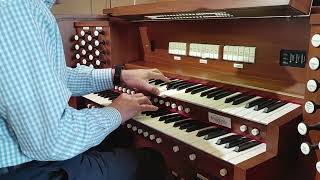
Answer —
35 94
84 80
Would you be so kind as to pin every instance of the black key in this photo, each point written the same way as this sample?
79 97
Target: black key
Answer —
255 102
265 104
160 114
170 84
195 91
246 146
185 86
163 84
179 123
157 82
228 139
175 86
152 81
242 99
196 127
274 107
155 112
222 95
205 93
193 88
230 99
175 119
215 134
213 94
207 131
163 118
187 124
236 142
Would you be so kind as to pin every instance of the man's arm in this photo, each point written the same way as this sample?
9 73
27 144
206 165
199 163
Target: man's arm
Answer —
35 93
84 80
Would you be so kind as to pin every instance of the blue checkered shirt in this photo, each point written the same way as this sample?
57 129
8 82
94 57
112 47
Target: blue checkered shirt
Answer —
36 122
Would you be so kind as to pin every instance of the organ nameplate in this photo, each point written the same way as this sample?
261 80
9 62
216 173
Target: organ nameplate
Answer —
219 120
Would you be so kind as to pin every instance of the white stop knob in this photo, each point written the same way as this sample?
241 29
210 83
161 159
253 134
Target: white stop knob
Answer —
161 101
175 149
305 148
89 38
309 107
255 132
159 140
96 33
312 85
134 128
98 62
82 33
83 42
124 90
132 92
167 103
90 48
315 41
120 88
78 56
187 110
192 157
140 131
76 37
90 57
152 137
76 47
173 106
83 52
96 43
243 128
155 100
116 87
84 61
318 166
145 134
302 129
91 65
128 91
223 172
180 108
314 63
97 52
129 126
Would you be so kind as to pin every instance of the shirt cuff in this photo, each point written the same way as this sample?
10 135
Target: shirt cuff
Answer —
102 79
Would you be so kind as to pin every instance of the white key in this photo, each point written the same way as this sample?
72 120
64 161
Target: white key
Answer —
262 115
279 114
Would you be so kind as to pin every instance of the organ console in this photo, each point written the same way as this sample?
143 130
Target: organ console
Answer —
240 87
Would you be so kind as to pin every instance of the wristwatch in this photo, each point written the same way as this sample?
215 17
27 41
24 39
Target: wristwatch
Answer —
117 75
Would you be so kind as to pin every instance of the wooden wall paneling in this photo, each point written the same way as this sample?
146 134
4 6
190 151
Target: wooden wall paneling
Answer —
73 7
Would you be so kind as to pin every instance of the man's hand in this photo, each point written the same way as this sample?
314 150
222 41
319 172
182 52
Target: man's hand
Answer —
139 79
130 105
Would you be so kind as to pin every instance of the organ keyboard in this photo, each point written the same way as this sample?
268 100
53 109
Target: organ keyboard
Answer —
183 131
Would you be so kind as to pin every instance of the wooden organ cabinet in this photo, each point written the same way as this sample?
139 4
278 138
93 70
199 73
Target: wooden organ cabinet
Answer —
243 99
